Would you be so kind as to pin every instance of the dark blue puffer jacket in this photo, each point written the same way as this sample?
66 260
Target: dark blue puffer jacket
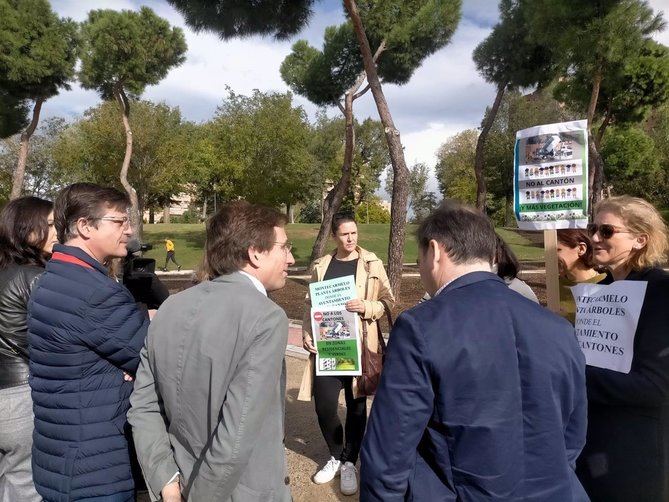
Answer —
84 331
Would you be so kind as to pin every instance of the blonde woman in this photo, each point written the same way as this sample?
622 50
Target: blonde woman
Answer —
626 456
374 297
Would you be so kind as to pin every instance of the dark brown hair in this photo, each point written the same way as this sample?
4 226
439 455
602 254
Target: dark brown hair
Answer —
466 234
572 237
24 231
506 261
341 218
84 200
235 228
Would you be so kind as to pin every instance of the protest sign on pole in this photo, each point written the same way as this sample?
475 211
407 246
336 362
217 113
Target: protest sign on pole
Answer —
335 332
551 176
551 187
552 271
606 320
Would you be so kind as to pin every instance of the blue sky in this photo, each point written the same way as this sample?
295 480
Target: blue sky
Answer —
445 95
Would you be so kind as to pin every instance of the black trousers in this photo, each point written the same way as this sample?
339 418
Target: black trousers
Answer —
343 442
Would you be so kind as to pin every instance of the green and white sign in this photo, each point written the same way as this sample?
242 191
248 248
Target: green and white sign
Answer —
551 176
335 333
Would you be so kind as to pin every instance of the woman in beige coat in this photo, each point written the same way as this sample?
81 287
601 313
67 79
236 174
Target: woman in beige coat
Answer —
374 297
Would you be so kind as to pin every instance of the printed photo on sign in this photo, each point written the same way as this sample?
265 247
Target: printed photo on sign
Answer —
606 320
551 176
337 342
551 147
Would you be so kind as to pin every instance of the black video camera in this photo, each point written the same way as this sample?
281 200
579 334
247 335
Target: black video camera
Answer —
139 276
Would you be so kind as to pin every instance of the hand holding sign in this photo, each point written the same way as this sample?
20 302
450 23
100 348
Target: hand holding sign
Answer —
355 305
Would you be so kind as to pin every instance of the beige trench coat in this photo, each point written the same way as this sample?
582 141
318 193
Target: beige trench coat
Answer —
373 288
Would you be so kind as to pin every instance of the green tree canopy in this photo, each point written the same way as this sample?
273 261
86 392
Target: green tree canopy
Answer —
44 176
266 140
657 128
38 51
412 29
370 160
13 114
592 41
510 59
371 211
93 148
241 18
632 88
121 53
633 165
454 168
128 50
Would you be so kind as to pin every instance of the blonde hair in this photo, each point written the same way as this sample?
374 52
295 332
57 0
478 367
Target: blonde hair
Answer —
641 218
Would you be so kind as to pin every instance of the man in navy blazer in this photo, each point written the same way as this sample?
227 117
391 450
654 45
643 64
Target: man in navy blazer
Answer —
482 395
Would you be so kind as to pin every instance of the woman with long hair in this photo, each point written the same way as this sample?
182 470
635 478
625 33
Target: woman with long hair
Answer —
626 455
375 298
576 264
27 236
507 267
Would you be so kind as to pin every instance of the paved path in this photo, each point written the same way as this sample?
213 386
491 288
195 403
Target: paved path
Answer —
294 347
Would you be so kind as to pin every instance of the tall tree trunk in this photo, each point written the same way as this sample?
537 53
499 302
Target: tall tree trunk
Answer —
333 200
20 172
595 174
336 195
508 209
602 129
398 213
481 191
204 209
289 212
166 214
124 105
152 215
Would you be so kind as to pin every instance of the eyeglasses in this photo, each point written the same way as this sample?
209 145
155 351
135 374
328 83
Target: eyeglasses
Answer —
286 246
124 221
605 230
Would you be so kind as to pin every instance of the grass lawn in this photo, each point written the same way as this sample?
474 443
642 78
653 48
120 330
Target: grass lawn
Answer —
189 241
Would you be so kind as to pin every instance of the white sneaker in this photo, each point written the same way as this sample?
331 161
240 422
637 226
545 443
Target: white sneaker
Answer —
328 472
349 479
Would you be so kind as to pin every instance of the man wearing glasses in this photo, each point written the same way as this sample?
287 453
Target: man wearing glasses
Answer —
85 332
208 407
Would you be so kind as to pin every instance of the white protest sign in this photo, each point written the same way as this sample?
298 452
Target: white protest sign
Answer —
333 292
606 322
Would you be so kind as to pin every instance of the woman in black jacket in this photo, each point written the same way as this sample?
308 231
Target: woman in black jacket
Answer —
26 238
626 456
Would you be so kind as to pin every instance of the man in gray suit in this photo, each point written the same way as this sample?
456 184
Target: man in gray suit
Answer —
208 405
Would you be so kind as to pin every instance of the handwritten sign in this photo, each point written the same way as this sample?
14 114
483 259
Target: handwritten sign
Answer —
606 320
336 336
333 292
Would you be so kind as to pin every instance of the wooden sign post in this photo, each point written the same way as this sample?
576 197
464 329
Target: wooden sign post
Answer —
550 188
552 273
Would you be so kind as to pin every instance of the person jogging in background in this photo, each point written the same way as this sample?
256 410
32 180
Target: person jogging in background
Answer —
169 249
